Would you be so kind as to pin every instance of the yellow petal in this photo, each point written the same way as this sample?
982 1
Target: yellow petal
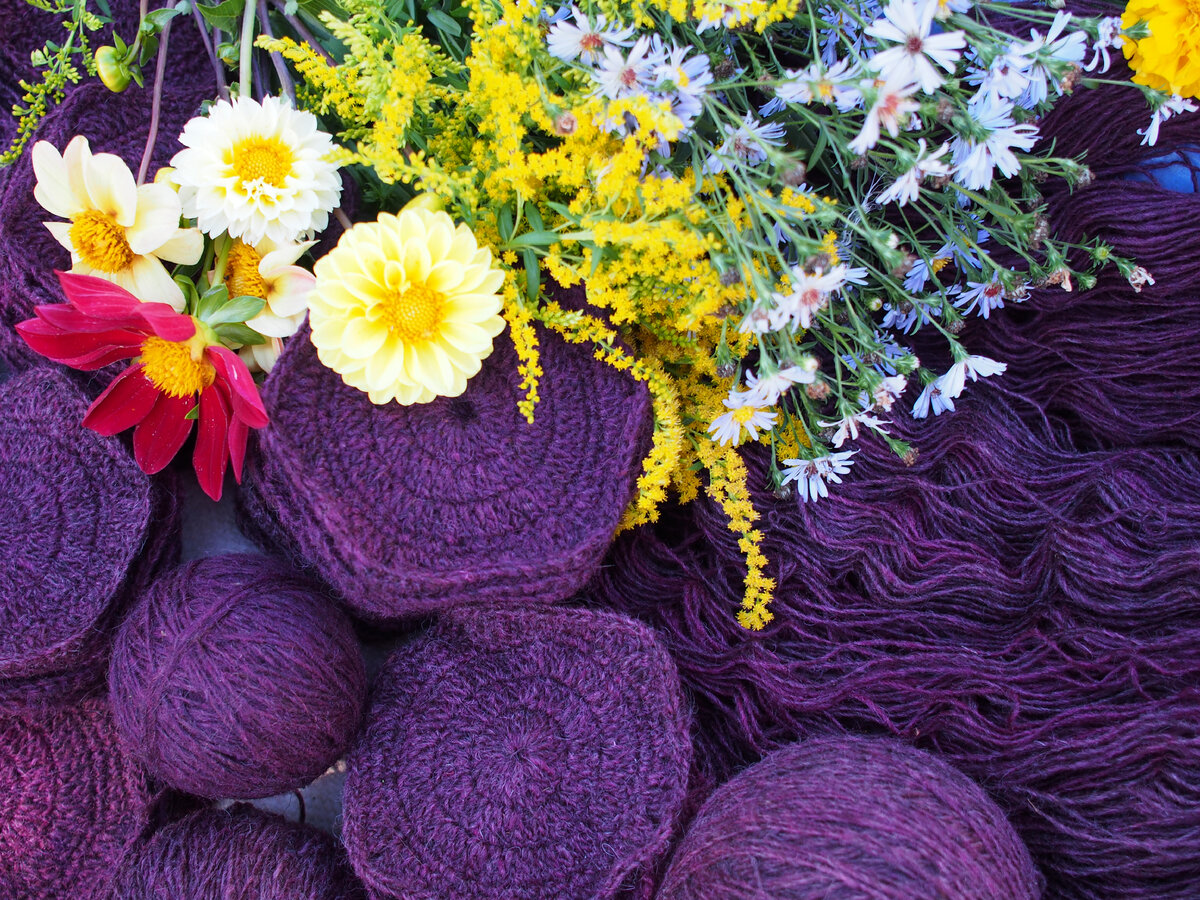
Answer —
469 338
362 338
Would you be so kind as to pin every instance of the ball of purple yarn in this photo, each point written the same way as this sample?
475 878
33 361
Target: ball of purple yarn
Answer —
80 525
238 853
71 803
850 818
509 752
233 677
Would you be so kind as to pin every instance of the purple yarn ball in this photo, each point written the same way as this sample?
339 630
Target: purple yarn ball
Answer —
518 753
406 510
80 524
237 854
233 677
850 818
71 804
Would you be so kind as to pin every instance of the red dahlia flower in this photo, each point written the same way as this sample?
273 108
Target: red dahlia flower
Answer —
176 359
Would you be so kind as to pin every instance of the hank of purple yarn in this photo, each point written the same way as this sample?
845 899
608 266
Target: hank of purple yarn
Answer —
236 854
233 677
847 818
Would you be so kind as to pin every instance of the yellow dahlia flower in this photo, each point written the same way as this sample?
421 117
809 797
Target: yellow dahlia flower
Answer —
406 308
257 170
1168 59
118 230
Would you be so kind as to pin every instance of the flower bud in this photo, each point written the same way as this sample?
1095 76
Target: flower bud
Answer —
431 202
112 69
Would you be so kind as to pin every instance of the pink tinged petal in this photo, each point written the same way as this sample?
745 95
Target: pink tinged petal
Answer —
247 404
162 432
80 351
111 188
53 189
184 247
123 404
66 317
238 434
212 448
102 299
289 291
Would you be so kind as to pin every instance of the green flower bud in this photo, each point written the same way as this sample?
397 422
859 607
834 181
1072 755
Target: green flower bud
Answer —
112 69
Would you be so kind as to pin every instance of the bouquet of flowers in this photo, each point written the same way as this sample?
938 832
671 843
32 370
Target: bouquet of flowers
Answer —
770 202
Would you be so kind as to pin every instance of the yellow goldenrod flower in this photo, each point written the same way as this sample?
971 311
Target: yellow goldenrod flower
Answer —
257 170
405 308
118 230
1167 59
268 271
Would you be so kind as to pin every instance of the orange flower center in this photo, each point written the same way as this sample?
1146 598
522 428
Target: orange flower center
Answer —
262 159
177 368
413 315
100 242
241 272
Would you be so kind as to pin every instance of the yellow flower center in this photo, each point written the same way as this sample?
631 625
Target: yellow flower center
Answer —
100 242
177 368
262 159
744 414
413 315
241 272
939 263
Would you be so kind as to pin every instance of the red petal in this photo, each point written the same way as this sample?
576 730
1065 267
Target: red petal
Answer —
247 404
166 323
123 404
211 452
160 435
80 351
67 318
238 435
101 299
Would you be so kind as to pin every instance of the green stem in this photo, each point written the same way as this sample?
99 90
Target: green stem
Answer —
222 258
244 64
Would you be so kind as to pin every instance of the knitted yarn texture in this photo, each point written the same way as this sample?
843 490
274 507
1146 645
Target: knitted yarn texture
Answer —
410 509
75 513
508 752
850 818
71 804
237 854
233 677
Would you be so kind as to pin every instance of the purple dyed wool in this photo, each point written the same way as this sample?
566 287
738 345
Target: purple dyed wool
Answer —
1028 612
80 524
113 123
237 854
71 804
406 510
233 677
510 752
850 818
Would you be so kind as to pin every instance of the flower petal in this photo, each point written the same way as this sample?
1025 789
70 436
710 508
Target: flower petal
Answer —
152 283
123 404
184 247
62 234
80 351
111 188
246 403
212 449
156 218
362 339
53 188
162 432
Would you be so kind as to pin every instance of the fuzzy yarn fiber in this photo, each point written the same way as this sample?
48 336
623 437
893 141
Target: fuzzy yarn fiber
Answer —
79 525
508 752
233 677
237 854
71 804
112 123
1029 612
850 818
406 510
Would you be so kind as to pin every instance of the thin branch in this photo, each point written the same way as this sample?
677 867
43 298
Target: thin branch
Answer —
156 104
285 80
217 67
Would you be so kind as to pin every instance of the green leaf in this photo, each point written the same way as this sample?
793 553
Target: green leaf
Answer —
535 238
444 23
224 16
193 413
239 333
533 274
161 17
505 223
534 215
210 301
237 310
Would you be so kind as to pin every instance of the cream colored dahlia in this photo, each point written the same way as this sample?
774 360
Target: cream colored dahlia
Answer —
268 271
118 230
406 308
257 170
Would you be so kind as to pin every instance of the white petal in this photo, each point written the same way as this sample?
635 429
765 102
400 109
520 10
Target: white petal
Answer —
111 188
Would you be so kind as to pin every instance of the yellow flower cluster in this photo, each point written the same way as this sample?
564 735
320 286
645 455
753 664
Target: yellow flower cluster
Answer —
1165 59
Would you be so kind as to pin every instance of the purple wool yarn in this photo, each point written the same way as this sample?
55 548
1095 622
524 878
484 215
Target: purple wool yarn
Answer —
234 677
507 752
848 818
1028 612
238 853
407 510
80 528
71 804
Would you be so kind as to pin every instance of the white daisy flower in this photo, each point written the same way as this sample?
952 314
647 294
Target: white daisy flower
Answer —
893 103
889 391
940 394
818 84
622 75
1108 37
809 293
257 170
766 389
975 161
1054 47
908 24
1173 106
906 188
585 40
747 143
1005 79
743 416
848 426
118 230
683 82
812 476
986 295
